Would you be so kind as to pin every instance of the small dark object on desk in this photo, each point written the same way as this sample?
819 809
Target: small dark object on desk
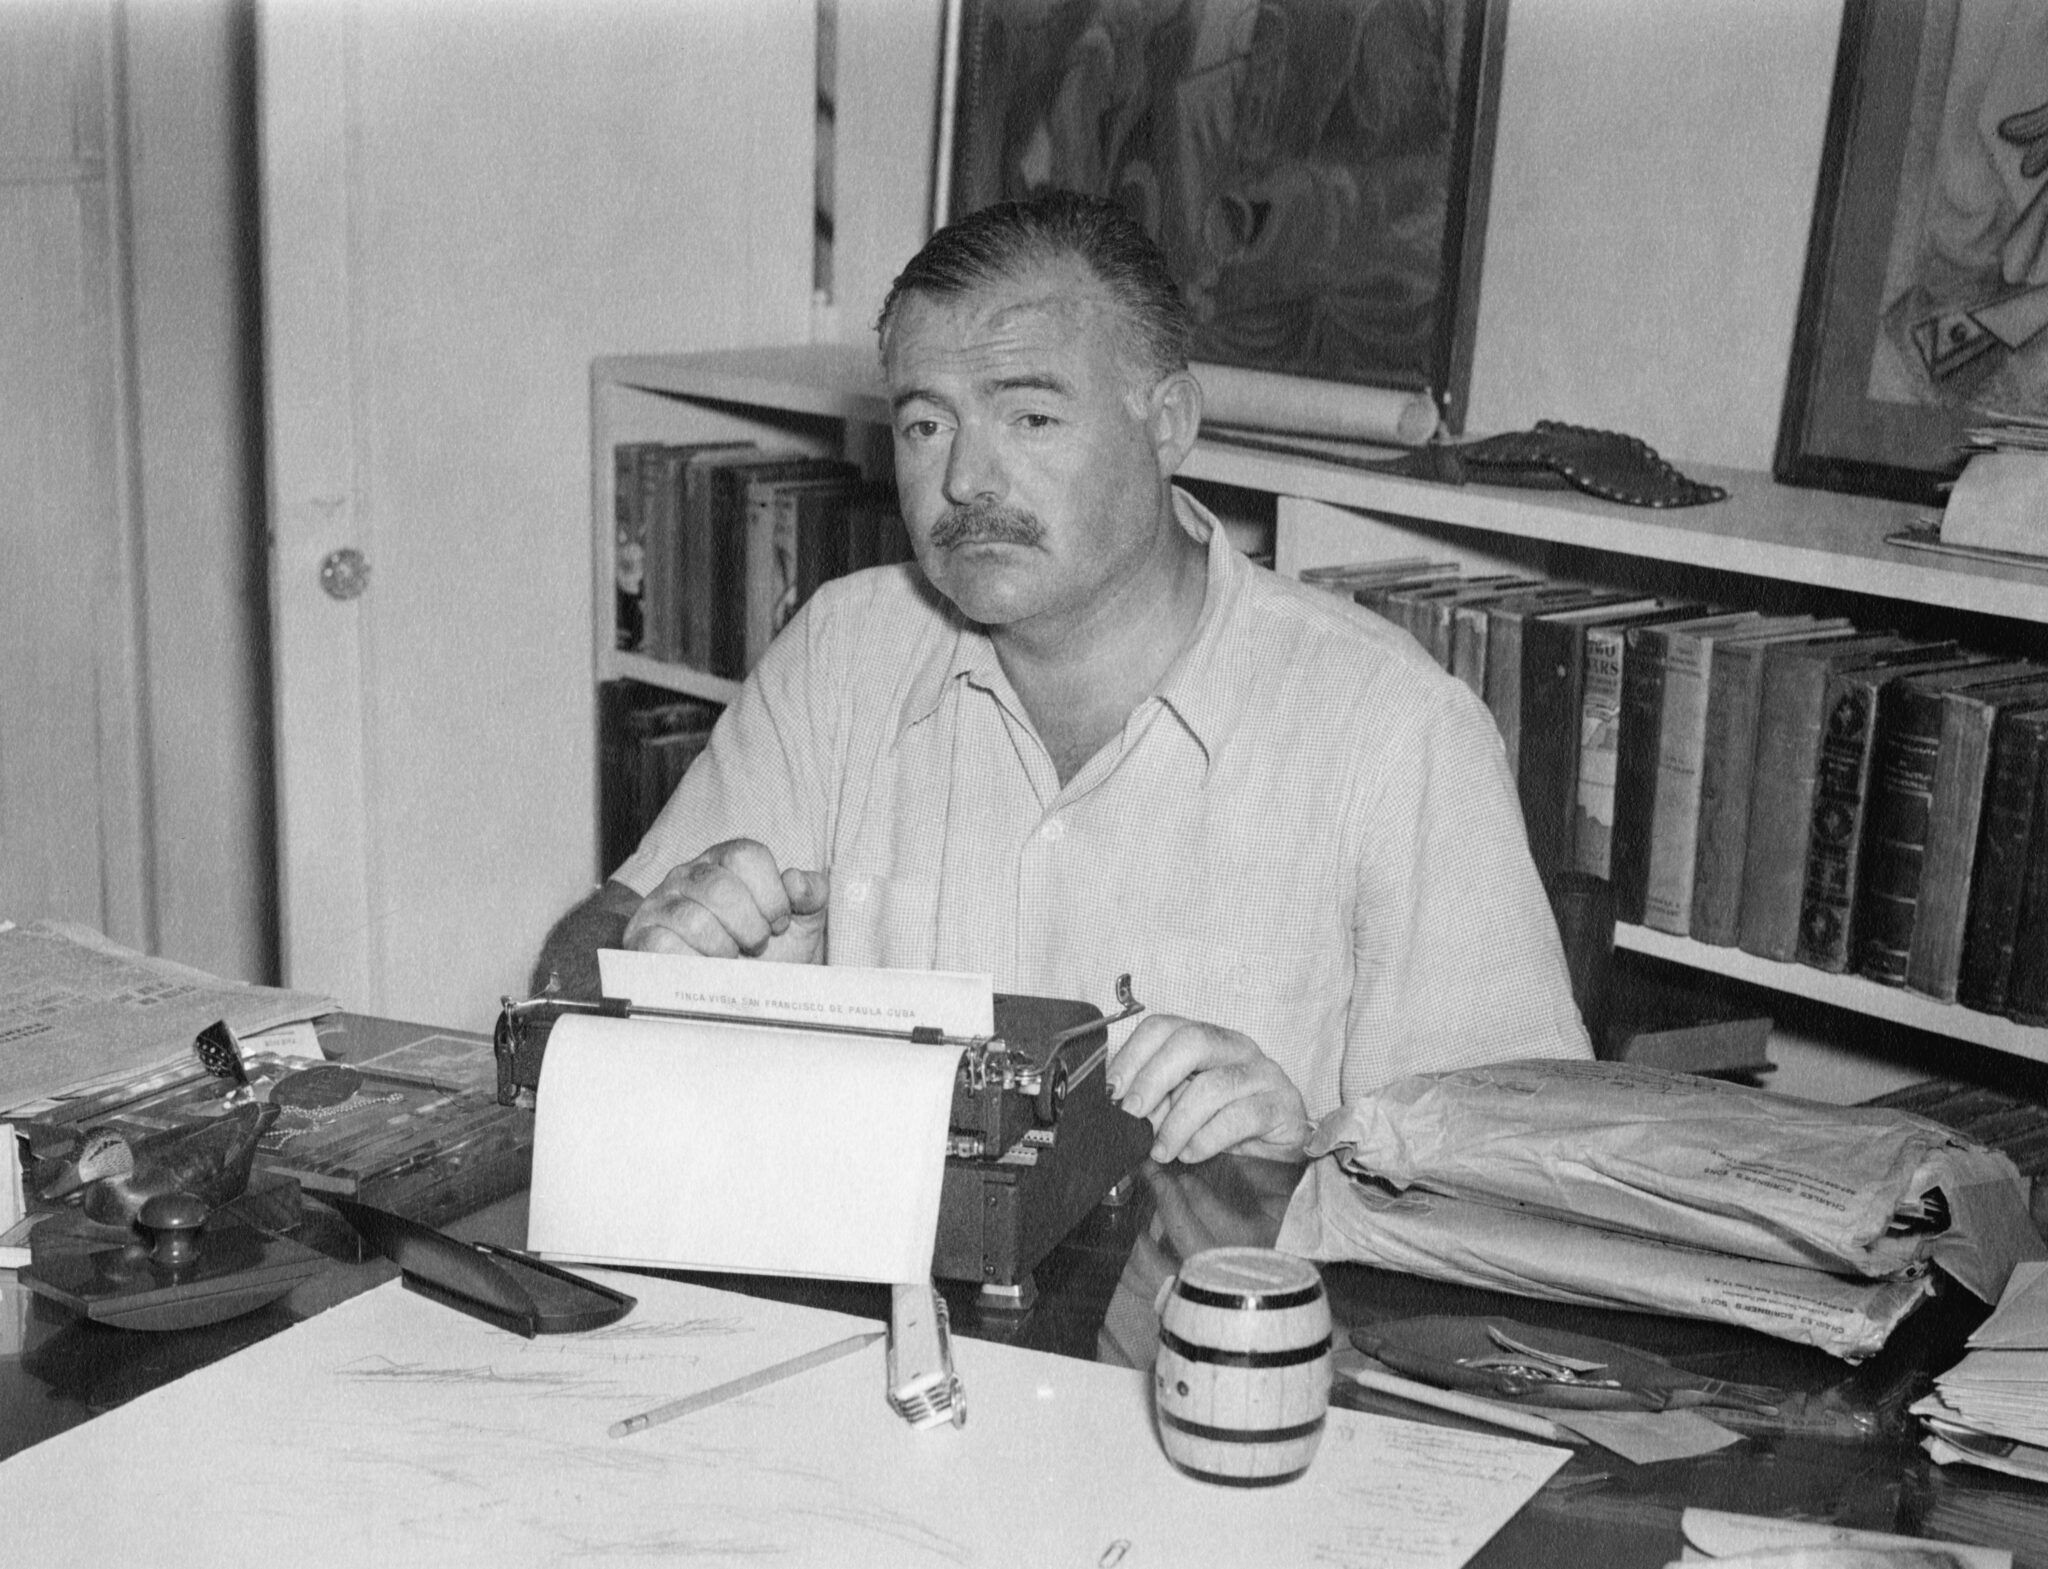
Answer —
1505 1359
209 1160
501 1286
181 1265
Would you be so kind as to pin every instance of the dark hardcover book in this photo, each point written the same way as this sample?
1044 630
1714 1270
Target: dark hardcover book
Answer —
1790 717
715 523
2027 990
1727 768
1342 577
1378 593
1432 614
1681 742
1552 709
663 481
818 542
2019 763
1665 1016
770 567
875 533
632 717
1599 719
1505 621
1841 793
1955 812
1899 815
629 547
1639 739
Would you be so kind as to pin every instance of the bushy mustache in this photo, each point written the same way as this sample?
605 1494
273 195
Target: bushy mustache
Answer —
986 522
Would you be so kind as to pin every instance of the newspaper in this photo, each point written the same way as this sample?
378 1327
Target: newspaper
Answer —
78 1011
1337 1217
1859 1190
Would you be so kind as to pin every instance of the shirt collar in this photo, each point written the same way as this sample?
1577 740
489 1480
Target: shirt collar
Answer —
1198 687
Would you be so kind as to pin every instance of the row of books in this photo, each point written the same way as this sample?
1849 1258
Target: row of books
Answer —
1790 785
717 544
646 738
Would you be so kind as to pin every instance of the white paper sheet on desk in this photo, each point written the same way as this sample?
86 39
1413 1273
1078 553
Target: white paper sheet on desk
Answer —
2020 1322
1724 1536
420 1436
739 1147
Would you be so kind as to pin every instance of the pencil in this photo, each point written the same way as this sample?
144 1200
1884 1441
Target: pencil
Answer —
745 1385
1476 1407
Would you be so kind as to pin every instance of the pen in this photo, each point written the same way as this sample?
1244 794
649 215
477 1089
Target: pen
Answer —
1473 1406
745 1385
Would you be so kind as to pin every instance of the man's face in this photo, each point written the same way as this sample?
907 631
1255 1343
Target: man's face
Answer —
1026 460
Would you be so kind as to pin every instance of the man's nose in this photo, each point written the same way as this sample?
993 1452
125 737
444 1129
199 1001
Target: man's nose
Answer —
974 470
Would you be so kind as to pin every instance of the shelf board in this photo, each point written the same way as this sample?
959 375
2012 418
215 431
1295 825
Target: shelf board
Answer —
1763 529
836 380
1849 992
615 664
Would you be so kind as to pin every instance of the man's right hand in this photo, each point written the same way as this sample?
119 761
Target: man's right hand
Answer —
734 901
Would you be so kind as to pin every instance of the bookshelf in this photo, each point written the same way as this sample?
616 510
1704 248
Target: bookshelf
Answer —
1768 543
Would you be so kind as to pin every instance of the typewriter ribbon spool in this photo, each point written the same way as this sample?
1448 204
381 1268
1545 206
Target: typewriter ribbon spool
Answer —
1242 1380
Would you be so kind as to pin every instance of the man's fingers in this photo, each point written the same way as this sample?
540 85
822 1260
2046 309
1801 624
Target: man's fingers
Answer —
808 892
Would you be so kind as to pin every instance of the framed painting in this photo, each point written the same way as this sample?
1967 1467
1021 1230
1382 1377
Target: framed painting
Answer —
1926 289
1315 170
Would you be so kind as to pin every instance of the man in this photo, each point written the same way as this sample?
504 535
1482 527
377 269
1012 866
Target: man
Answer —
1085 736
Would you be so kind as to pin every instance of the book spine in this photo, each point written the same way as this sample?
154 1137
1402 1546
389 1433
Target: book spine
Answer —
661 477
2019 758
1548 775
1675 801
1728 762
1644 675
1599 726
629 548
766 501
1503 692
1955 810
1895 843
2027 993
1788 736
1834 852
1468 647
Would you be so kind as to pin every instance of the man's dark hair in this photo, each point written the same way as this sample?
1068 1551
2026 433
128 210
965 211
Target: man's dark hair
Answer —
998 242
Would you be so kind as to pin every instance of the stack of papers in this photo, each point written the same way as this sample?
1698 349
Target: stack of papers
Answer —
1991 1408
78 1012
1617 1185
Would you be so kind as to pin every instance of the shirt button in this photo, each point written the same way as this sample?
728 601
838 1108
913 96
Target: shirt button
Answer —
1053 832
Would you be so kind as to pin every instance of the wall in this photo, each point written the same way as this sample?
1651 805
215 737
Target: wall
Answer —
1653 182
133 788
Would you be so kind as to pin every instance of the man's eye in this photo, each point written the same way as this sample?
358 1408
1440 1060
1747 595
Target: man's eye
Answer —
922 429
1036 421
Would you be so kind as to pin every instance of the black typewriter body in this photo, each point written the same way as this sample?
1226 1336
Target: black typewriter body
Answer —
1034 1142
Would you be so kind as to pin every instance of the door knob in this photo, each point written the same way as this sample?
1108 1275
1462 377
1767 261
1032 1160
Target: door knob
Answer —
344 573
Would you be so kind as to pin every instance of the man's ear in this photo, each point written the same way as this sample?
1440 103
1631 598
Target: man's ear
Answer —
1176 419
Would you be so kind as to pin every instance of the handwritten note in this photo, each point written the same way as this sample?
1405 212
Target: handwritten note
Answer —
419 1435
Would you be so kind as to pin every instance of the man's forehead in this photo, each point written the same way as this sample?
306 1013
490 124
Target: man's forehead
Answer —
1042 310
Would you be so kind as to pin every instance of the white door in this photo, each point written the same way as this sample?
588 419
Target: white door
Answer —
462 206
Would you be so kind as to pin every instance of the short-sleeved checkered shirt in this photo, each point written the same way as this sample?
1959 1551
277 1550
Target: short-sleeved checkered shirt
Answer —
1307 834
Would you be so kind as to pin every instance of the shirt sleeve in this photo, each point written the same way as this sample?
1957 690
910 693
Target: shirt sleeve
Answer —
765 774
1457 952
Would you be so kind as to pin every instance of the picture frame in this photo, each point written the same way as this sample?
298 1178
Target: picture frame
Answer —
1917 314
1317 171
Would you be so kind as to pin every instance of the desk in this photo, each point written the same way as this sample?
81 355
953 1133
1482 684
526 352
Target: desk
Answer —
1095 1301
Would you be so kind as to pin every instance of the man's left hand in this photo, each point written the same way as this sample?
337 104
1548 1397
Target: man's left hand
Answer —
1205 1090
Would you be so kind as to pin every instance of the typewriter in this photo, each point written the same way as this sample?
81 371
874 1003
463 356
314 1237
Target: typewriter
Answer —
1034 1142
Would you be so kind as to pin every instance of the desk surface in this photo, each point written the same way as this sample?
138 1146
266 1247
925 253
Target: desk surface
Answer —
1095 1301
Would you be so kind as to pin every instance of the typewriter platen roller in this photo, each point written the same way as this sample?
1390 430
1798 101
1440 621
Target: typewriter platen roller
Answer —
1034 1142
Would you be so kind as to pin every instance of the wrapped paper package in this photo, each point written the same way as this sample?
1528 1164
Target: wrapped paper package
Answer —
1616 1184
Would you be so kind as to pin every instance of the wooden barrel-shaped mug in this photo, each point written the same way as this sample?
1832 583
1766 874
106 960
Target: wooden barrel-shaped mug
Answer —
1242 1380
